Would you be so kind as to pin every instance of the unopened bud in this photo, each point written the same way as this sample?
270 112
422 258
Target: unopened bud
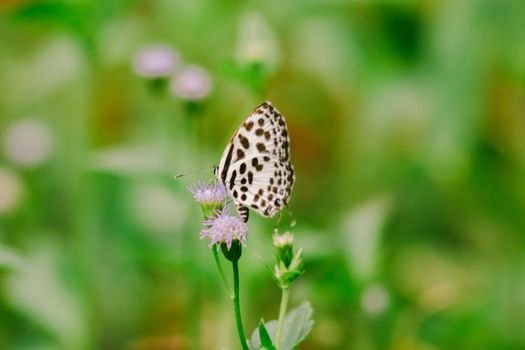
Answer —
288 265
283 248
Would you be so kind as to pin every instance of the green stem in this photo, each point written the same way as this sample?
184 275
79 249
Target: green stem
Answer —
224 279
236 305
282 313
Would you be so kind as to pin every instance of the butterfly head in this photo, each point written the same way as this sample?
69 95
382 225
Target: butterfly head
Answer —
215 169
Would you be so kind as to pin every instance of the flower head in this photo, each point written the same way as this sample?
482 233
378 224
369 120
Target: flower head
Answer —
212 193
193 83
224 228
156 61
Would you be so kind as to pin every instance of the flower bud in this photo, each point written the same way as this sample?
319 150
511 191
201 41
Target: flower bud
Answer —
283 248
288 265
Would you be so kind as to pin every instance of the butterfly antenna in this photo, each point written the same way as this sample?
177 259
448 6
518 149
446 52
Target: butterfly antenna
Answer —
178 176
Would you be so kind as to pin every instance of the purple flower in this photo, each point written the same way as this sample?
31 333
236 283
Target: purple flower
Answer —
156 61
193 83
208 193
224 228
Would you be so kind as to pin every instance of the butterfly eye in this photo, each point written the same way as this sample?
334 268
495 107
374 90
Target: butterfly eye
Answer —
215 170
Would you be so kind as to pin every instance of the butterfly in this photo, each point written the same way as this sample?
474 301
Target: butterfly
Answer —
255 167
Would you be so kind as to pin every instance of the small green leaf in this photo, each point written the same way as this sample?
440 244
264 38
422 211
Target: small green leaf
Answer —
271 329
266 340
297 324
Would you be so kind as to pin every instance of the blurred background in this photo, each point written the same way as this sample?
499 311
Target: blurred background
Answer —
407 121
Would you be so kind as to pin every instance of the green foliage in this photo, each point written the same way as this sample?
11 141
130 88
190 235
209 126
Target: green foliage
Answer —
265 339
298 323
406 127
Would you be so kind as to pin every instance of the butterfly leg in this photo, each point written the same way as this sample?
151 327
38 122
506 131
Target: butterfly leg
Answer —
243 212
293 221
276 227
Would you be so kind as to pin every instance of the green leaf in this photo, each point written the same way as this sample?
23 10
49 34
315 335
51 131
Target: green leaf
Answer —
290 276
297 324
266 340
271 330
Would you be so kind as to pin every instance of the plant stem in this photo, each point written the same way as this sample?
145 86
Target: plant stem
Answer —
221 271
236 305
282 313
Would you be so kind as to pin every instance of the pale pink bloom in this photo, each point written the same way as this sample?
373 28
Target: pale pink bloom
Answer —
192 83
156 61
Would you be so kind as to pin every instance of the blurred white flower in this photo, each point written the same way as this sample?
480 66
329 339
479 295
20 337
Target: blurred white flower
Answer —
10 190
28 142
192 83
156 61
256 42
375 299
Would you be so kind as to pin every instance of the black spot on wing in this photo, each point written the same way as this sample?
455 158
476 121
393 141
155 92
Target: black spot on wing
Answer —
244 141
232 179
227 164
240 153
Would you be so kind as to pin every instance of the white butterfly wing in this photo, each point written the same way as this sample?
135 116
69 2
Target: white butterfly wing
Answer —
266 191
255 167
